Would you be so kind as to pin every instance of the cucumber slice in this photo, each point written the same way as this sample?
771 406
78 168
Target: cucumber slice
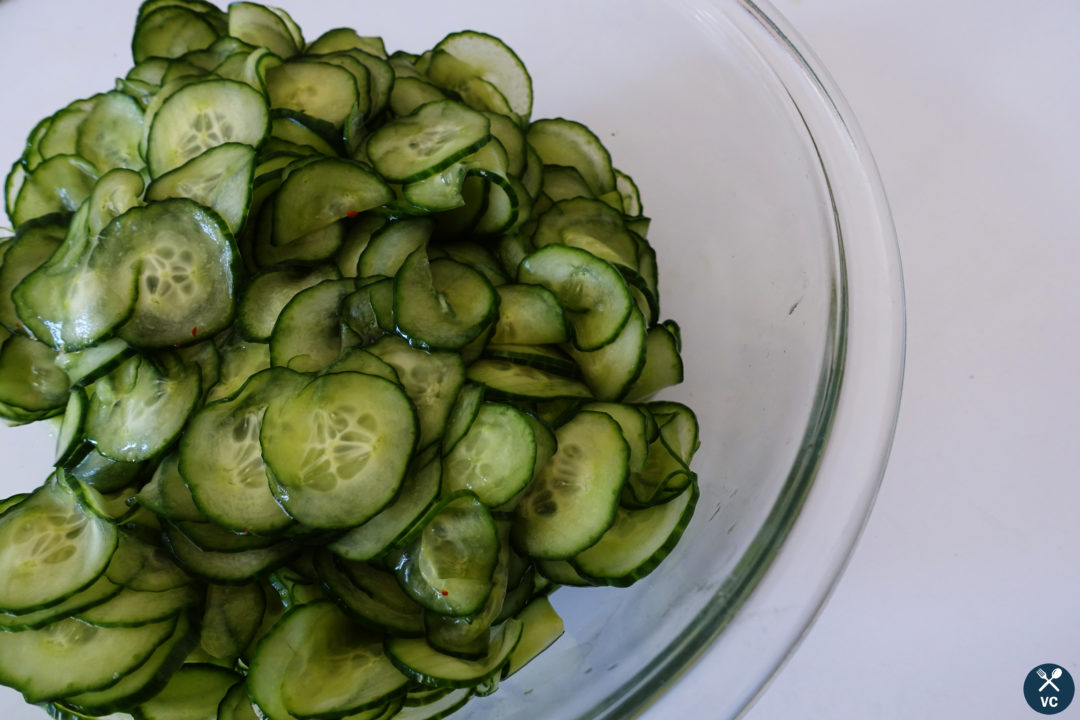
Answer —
201 116
50 549
231 618
445 702
270 291
637 542
356 359
116 192
261 26
299 129
100 591
449 566
236 705
541 626
442 304
595 298
129 608
573 501
590 225
492 60
219 178
308 335
31 385
634 424
370 595
170 31
518 381
281 653
194 691
320 90
70 656
344 39
427 141
417 659
631 196
371 539
340 669
663 364
239 361
110 134
543 357
391 244
144 681
225 567
57 185
495 458
409 93
469 637
338 449
529 315
321 193
565 142
431 380
221 457
461 80
610 371
139 408
181 264
466 406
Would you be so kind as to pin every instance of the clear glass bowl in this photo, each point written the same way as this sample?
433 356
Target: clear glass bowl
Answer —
777 257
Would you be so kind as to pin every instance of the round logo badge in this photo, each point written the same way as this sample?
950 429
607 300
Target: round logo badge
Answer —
1049 689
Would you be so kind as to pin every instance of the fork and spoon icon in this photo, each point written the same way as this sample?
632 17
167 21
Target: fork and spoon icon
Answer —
1049 679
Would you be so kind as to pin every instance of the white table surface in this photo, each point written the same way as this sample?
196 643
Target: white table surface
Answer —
964 579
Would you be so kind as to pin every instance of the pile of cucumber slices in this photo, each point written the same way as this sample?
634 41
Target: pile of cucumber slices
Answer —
351 364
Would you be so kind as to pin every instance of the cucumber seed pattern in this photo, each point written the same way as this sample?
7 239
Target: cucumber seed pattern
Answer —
166 275
209 128
340 445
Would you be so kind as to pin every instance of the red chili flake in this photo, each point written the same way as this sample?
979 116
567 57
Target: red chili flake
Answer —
351 214
194 332
445 592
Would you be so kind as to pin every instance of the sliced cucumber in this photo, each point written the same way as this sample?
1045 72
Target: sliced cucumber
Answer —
371 539
448 566
194 691
370 595
51 548
219 178
573 501
419 661
201 116
221 457
427 141
341 668
344 347
442 304
492 60
637 541
122 404
338 449
70 656
495 457
594 296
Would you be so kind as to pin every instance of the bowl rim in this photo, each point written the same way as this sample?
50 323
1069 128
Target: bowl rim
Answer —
859 389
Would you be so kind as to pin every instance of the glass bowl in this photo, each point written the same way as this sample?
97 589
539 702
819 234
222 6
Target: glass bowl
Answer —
777 258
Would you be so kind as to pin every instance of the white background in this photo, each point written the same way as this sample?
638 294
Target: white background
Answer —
966 577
